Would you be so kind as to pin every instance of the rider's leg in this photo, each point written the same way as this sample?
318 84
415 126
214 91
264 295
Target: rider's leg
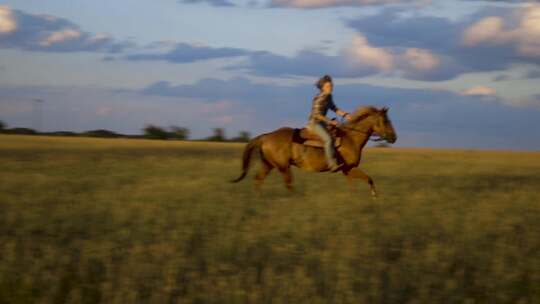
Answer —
329 151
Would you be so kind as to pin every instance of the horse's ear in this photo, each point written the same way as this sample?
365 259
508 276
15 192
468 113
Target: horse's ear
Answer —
384 110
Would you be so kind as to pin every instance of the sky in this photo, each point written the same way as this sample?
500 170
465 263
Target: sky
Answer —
454 73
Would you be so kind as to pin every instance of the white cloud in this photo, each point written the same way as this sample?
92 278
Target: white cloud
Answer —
485 30
40 32
529 35
524 36
8 23
60 36
99 37
420 59
312 4
361 52
479 91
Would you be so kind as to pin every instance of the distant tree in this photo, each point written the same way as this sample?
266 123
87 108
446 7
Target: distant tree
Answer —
101 133
2 125
243 136
21 131
155 132
62 133
178 132
218 135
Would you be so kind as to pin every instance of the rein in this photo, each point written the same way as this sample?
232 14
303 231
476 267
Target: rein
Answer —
352 129
364 132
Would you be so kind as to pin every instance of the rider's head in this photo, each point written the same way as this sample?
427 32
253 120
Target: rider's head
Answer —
325 85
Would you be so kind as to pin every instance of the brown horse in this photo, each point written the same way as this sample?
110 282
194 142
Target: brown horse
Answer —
278 149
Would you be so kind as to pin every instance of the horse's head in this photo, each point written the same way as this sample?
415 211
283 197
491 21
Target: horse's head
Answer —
384 128
379 121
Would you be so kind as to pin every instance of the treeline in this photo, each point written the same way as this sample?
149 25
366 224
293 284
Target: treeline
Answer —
148 132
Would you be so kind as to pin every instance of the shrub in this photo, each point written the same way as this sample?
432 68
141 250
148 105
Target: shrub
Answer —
218 135
243 136
101 133
20 131
155 132
179 132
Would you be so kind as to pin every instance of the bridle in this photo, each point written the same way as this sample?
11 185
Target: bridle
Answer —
344 126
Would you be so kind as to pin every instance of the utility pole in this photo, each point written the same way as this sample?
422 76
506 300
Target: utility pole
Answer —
37 114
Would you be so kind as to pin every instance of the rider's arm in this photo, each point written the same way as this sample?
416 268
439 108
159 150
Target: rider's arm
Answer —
341 113
334 108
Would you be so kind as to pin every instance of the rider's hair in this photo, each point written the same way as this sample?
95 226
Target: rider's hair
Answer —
326 78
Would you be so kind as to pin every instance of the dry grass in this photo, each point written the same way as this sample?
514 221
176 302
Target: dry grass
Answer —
135 221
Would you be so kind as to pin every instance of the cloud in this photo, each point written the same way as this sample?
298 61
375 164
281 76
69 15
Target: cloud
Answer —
7 20
186 53
358 59
46 33
307 4
446 118
521 33
529 74
388 43
490 39
502 77
60 37
238 89
532 74
210 2
363 54
422 60
222 92
389 28
317 4
486 29
479 91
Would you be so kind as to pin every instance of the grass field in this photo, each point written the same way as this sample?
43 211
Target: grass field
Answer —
135 221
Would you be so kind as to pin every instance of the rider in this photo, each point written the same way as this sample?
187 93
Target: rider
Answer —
318 120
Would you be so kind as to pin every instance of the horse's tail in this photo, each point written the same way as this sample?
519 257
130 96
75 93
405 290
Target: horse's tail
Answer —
246 158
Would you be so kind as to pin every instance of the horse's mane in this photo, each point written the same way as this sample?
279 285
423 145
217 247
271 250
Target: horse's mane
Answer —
363 111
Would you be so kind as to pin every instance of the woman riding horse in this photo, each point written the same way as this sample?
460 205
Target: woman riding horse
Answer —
318 121
280 150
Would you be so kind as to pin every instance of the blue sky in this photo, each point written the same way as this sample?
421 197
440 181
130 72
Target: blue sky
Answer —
454 73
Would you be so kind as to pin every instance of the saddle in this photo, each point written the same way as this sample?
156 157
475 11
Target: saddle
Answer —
306 137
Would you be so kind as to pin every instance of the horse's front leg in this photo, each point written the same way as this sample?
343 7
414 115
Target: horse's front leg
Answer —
287 177
357 173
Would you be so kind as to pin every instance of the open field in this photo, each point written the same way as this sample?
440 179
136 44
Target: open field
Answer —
136 221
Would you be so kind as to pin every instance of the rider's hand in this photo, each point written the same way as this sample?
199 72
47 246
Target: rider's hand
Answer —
347 117
334 122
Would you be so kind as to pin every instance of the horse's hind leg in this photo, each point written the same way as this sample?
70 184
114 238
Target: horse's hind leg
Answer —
265 169
357 173
287 177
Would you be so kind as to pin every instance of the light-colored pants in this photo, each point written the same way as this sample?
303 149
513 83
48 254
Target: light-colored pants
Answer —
329 151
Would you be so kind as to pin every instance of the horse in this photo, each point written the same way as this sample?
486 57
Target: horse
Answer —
280 149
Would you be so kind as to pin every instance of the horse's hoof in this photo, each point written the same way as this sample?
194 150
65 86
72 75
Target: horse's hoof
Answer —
374 194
